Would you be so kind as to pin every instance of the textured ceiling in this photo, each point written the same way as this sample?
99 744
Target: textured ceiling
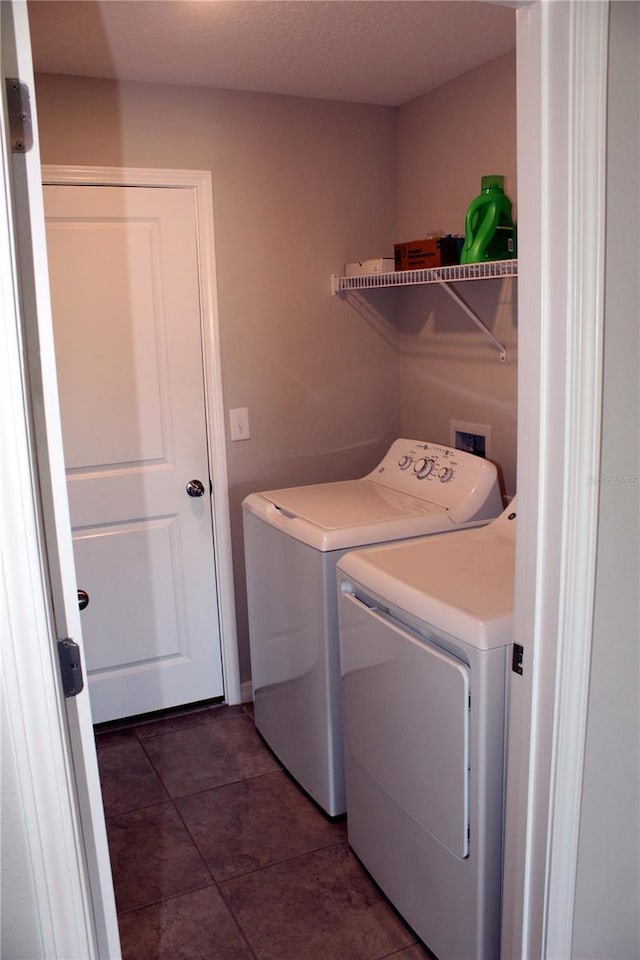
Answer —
366 51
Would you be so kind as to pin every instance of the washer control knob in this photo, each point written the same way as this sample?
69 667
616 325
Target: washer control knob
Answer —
424 467
405 462
445 474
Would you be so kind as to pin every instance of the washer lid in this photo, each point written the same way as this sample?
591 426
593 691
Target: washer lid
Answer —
350 513
349 503
461 583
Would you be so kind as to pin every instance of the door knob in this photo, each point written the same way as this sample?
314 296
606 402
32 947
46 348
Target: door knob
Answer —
195 488
83 599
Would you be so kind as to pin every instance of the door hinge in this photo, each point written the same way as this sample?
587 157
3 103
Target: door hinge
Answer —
70 667
19 107
517 658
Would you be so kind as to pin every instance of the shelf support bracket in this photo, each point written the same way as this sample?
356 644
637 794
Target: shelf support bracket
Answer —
455 296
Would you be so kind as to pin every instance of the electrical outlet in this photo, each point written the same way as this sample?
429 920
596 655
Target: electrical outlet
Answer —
239 420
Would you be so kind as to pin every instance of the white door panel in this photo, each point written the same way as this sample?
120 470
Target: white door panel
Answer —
116 366
125 292
148 622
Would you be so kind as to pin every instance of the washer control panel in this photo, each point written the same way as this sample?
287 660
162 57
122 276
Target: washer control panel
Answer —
435 472
435 461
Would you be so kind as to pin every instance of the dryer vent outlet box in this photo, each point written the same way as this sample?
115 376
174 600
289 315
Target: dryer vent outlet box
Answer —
471 437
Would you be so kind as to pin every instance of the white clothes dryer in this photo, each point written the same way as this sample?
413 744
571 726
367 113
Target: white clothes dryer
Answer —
293 540
426 644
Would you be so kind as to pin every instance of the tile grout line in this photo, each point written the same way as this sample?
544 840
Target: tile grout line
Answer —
134 727
193 841
215 786
187 726
156 903
215 883
236 920
279 863
146 806
178 896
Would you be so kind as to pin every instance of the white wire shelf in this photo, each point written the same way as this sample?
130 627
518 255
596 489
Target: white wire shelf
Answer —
444 276
490 270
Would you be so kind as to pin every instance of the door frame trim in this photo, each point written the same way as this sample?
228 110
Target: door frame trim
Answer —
201 183
562 112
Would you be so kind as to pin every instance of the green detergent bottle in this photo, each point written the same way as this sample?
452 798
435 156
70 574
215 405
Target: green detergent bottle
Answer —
489 230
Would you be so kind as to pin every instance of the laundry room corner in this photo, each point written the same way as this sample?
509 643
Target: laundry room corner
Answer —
447 140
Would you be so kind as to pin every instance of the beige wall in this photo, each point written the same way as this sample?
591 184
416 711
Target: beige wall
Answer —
301 187
447 140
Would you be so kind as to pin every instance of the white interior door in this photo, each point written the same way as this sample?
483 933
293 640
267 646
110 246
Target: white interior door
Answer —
57 892
125 294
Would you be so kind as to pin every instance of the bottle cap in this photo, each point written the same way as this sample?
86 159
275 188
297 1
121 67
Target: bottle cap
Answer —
493 182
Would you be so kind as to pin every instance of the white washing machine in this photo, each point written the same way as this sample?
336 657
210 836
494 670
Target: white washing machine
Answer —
426 650
293 540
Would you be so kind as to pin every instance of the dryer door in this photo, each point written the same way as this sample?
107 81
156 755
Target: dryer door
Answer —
406 719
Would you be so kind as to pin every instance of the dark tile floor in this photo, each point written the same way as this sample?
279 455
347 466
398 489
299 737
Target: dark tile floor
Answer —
218 855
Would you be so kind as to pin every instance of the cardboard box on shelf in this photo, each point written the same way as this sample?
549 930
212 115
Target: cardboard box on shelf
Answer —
430 252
